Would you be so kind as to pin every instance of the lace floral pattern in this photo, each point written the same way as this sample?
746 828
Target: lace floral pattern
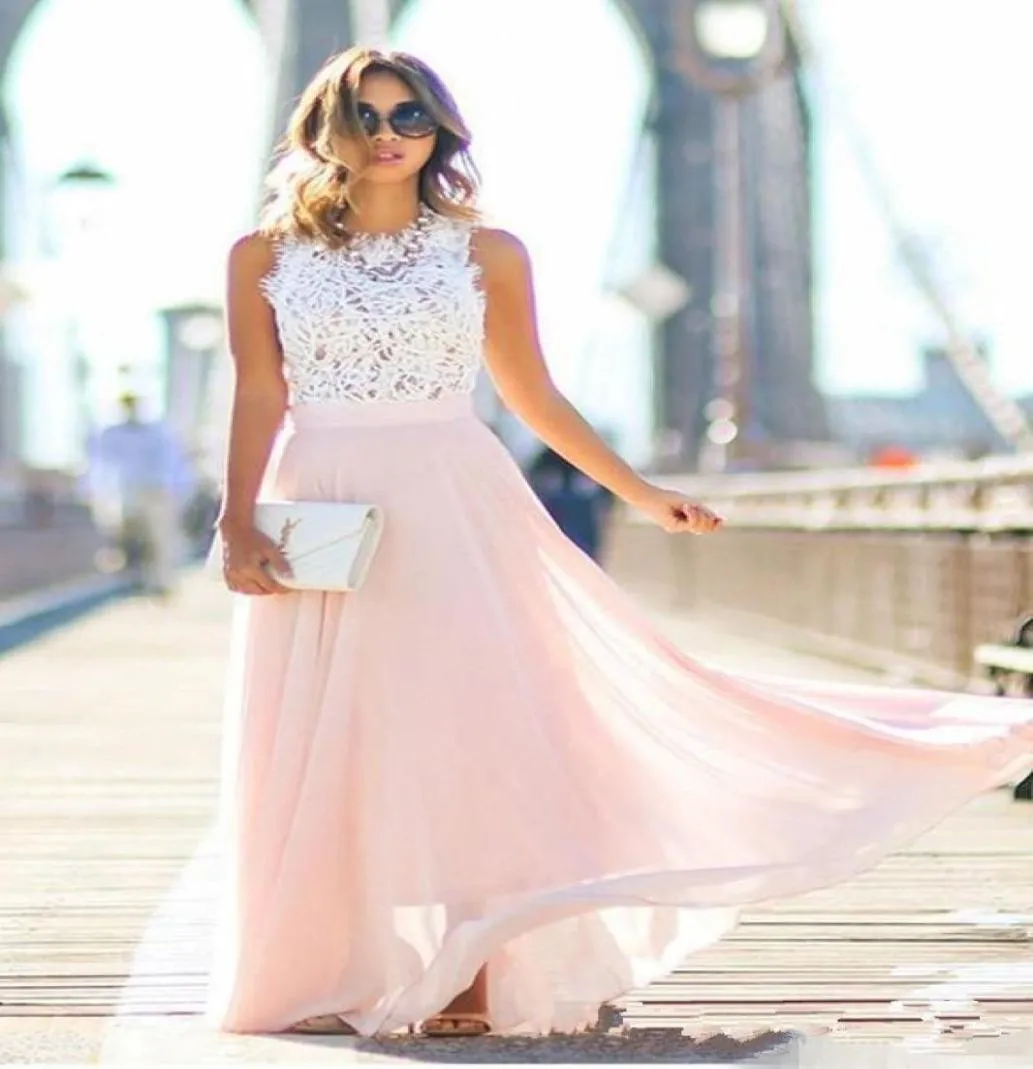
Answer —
392 317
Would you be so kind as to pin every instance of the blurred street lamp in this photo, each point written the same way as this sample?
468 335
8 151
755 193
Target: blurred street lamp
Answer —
730 48
735 30
193 335
79 203
81 198
657 292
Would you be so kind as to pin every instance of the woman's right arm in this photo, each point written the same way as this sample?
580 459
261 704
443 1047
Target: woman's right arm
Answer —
259 403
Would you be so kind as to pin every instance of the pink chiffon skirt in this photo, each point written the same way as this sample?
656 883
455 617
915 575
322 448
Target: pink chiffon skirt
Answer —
488 755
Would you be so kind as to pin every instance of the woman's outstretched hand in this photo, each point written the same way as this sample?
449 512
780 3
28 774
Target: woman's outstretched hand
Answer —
676 513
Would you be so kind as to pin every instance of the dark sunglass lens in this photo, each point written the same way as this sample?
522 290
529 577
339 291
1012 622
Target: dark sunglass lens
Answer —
412 120
368 119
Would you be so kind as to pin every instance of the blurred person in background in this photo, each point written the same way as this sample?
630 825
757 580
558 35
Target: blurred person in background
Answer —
578 504
139 480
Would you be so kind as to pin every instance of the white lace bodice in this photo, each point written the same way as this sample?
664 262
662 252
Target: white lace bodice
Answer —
391 317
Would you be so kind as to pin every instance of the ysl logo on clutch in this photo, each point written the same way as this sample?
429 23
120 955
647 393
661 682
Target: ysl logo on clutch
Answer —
285 534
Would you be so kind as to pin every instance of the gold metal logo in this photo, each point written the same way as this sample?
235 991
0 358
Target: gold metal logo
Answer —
285 533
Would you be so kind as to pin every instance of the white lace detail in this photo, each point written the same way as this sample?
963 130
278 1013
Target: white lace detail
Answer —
391 317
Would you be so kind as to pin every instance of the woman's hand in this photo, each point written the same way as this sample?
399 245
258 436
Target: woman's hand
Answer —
676 513
250 559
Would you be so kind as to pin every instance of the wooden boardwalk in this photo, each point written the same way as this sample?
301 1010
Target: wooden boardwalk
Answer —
108 763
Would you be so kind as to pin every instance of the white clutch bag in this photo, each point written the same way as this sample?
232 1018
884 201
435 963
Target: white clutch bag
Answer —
329 544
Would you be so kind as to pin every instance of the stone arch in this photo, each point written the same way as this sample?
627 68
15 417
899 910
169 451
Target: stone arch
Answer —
14 14
630 9
14 17
46 333
680 118
783 400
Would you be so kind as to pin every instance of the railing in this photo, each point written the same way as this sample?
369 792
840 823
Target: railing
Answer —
46 538
905 571
995 494
35 512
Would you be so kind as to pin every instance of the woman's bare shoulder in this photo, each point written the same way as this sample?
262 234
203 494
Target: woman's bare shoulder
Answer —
253 254
499 252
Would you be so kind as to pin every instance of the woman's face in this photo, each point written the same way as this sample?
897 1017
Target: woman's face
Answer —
391 156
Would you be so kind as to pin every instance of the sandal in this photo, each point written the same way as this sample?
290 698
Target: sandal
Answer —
329 1024
449 1025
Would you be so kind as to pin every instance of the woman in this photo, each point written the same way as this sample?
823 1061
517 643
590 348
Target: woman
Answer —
482 792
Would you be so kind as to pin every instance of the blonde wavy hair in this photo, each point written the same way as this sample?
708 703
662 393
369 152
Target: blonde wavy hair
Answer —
310 189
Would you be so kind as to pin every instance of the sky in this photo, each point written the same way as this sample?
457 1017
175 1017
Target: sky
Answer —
937 89
931 86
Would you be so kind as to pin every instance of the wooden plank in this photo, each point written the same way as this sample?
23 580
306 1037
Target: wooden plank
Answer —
108 758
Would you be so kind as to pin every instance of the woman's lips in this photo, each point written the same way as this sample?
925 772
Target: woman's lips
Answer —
387 156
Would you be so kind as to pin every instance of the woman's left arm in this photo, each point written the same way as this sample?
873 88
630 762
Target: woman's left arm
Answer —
518 369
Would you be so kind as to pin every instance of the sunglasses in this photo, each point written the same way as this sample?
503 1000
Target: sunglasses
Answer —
408 119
